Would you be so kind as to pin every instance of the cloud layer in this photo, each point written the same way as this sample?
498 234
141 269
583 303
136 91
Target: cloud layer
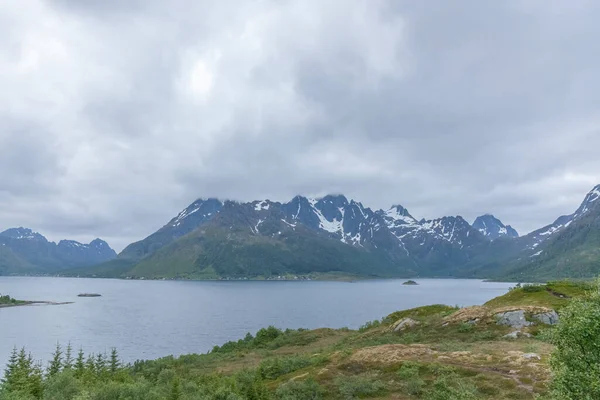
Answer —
116 115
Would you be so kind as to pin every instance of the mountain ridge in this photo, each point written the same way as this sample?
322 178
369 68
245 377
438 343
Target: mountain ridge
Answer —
26 251
215 239
391 242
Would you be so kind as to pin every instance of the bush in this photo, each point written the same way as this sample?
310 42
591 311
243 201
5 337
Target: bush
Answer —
415 386
408 370
369 325
276 367
306 390
451 386
358 386
575 361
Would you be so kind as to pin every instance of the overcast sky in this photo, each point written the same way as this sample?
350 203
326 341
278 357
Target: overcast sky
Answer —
114 115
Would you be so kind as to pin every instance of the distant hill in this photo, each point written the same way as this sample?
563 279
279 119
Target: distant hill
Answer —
23 251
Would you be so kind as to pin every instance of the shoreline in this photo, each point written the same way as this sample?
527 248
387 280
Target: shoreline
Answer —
325 277
21 303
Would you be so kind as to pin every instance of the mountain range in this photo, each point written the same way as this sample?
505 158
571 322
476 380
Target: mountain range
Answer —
216 239
23 251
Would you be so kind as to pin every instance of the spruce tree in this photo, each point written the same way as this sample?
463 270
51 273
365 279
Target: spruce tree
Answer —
55 366
80 364
114 361
36 380
100 364
68 364
90 365
11 370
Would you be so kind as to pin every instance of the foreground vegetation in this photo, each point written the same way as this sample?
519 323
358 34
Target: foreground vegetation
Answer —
442 354
7 301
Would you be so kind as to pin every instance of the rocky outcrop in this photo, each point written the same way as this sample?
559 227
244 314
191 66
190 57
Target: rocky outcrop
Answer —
403 324
548 318
514 319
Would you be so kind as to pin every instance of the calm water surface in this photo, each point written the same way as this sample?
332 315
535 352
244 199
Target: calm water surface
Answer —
150 319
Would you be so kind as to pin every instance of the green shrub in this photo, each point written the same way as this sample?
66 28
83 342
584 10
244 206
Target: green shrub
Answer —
415 386
465 327
408 370
358 386
305 390
369 325
575 361
451 387
276 367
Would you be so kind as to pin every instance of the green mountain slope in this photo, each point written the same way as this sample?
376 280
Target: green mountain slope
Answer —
571 253
12 264
568 248
217 252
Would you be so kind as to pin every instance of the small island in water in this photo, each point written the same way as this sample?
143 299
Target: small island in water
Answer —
7 301
89 295
410 282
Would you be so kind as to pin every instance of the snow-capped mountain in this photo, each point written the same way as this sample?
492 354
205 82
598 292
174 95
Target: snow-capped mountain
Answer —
33 249
22 234
221 238
391 236
492 228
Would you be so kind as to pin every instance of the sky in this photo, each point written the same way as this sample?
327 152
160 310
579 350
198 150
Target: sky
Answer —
116 115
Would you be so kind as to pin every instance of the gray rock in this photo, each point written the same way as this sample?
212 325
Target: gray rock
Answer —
515 319
404 323
473 321
531 356
517 334
548 318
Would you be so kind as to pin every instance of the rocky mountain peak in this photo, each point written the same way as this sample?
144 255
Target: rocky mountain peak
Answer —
589 202
492 228
23 234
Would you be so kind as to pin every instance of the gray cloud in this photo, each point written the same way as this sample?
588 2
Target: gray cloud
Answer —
115 115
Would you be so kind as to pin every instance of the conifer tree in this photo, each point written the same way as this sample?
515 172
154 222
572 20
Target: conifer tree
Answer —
80 364
100 364
114 361
68 363
90 365
55 365
36 381
11 370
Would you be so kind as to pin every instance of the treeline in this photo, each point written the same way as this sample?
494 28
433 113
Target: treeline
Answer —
6 299
106 377
25 378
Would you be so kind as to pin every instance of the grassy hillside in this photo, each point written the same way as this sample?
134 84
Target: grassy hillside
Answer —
444 355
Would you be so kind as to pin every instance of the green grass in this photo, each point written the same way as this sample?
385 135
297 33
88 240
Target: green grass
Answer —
420 313
543 295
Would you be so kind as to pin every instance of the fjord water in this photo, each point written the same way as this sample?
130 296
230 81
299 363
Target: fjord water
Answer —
150 319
